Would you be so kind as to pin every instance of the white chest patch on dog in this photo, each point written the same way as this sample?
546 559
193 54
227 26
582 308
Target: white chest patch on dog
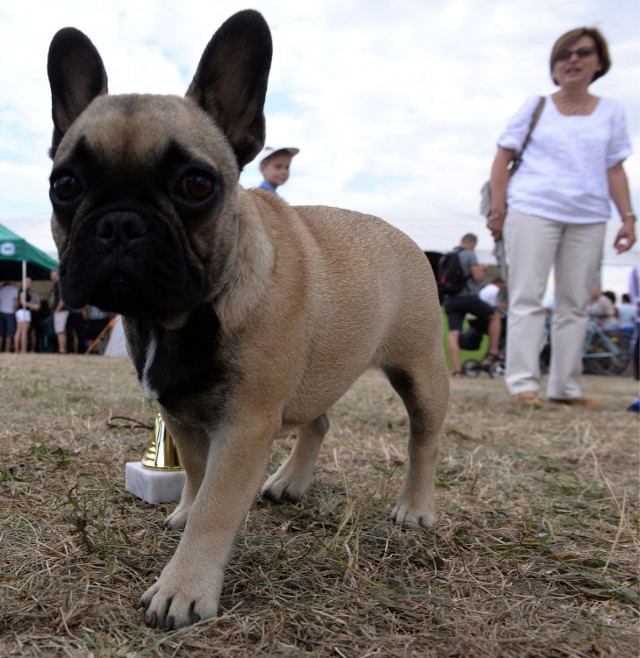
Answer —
150 356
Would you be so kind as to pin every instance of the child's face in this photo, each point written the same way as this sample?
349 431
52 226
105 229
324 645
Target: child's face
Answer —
275 169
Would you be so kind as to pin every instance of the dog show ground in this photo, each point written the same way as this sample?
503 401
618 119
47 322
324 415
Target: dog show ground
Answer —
534 551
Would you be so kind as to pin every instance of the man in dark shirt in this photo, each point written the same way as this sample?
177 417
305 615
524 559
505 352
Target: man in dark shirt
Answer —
468 301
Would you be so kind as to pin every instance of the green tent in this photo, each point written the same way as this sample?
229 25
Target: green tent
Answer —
19 259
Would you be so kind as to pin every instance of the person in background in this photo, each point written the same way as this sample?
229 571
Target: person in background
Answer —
495 294
8 305
60 313
558 205
491 294
626 312
28 307
466 301
34 304
614 300
97 320
275 165
76 329
601 309
634 295
47 340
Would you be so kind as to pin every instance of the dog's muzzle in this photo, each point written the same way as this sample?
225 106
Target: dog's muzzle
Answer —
130 262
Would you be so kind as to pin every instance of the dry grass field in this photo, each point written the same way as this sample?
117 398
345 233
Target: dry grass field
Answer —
535 552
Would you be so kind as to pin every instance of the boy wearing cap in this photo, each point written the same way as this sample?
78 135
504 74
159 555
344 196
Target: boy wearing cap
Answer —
274 166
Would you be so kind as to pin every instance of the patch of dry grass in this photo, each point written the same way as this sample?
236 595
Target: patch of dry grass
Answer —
534 554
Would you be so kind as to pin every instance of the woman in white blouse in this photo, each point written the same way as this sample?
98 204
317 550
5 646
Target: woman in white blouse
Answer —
558 204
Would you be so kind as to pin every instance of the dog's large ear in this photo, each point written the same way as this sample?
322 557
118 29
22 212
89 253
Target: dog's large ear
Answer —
76 76
231 81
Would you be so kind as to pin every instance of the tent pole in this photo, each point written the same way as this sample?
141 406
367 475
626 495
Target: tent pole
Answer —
24 302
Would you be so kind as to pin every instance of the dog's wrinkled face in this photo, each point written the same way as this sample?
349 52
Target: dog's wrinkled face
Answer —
144 187
140 193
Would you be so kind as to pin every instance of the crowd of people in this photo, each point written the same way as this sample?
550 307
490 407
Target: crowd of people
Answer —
30 322
603 307
486 305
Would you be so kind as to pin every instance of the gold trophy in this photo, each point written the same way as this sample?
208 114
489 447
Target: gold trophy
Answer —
159 477
162 454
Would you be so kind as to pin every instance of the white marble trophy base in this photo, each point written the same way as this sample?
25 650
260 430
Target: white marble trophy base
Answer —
153 486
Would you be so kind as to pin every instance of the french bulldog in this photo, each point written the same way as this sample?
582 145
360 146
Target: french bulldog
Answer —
243 315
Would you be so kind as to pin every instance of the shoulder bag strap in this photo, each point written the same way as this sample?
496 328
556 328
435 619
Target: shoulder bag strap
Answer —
534 120
515 163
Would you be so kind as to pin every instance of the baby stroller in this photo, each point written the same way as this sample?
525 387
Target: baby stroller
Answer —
470 339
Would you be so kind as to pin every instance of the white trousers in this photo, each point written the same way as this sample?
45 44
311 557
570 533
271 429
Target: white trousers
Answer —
533 245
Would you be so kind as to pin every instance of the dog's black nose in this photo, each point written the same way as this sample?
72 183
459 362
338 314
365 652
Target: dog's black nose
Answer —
120 227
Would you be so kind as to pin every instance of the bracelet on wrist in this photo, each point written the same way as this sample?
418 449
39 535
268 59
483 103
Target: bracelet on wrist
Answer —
626 215
495 215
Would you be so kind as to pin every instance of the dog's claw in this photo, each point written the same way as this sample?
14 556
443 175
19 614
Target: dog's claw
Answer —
153 622
170 623
284 497
289 497
268 495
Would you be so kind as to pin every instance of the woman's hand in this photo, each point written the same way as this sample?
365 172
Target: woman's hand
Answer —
498 183
619 192
495 223
626 237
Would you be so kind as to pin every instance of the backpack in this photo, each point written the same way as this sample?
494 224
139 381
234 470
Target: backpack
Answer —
451 277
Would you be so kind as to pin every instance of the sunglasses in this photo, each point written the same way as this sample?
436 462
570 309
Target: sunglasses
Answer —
582 53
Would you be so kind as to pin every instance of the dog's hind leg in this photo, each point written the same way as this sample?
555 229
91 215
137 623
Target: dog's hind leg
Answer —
295 475
424 391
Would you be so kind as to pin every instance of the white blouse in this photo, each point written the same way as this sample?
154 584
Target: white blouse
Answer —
563 174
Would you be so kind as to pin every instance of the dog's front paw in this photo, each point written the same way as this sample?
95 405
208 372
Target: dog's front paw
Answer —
406 516
181 597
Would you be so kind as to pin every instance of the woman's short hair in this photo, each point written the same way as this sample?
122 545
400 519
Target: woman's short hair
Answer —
571 37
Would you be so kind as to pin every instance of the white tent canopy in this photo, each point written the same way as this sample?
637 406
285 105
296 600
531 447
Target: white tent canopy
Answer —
117 344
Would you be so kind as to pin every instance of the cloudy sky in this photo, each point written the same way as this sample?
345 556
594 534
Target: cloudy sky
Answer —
396 105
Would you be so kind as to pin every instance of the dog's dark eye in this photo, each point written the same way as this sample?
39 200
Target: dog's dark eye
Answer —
197 187
66 187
